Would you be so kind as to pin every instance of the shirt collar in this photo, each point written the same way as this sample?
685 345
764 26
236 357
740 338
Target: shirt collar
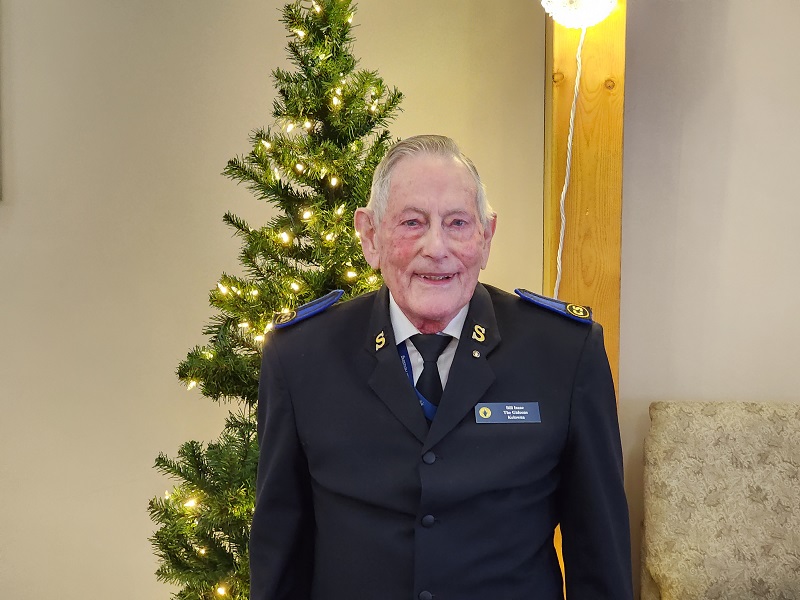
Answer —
403 329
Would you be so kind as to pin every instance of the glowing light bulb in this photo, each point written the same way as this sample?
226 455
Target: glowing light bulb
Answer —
284 310
208 354
577 14
285 237
372 278
294 286
289 127
317 7
350 18
340 210
266 144
336 101
201 550
191 385
268 328
221 591
275 170
300 33
190 503
373 108
351 274
166 494
259 338
222 288
235 289
300 167
307 124
329 237
338 91
254 292
243 325
307 214
334 181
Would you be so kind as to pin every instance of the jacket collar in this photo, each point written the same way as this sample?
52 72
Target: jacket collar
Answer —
388 379
470 376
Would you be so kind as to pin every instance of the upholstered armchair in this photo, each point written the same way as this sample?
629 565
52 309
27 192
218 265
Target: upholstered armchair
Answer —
722 502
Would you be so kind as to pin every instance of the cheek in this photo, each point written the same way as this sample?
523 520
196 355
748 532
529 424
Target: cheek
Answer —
471 254
400 253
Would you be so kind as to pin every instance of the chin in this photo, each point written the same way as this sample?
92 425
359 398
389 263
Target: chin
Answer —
437 312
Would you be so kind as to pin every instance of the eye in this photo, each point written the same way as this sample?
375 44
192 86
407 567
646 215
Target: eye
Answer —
458 222
411 222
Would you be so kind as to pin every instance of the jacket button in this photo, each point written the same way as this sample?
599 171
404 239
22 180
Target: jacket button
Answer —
429 458
425 595
428 521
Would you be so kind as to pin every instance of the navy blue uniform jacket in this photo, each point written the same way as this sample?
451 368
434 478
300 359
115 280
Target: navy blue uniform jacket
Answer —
357 499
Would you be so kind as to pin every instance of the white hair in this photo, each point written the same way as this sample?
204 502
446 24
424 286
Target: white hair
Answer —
434 145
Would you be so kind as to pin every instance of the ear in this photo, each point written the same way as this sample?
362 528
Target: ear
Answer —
488 234
368 235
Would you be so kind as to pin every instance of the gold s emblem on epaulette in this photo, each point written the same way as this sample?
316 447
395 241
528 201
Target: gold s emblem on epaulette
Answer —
479 333
285 317
576 310
485 412
380 340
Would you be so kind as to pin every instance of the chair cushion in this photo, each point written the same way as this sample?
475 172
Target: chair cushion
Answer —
722 501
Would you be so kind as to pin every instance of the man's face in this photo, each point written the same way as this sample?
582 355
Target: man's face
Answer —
430 245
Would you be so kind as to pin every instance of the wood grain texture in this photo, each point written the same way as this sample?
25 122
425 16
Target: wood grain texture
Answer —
591 255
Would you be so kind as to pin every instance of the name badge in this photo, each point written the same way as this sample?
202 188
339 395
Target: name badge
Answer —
500 412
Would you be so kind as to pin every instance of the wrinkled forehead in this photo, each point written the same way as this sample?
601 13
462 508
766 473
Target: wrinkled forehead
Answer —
431 178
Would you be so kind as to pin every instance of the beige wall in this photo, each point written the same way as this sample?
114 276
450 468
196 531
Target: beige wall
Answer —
710 285
117 118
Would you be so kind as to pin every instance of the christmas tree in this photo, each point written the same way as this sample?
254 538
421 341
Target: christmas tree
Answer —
315 166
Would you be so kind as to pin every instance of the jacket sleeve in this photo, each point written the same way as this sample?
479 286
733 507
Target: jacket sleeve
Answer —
593 509
281 538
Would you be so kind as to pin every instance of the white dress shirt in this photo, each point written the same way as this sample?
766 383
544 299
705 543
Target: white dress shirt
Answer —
403 330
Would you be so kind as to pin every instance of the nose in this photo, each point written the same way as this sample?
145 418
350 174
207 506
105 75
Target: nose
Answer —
434 243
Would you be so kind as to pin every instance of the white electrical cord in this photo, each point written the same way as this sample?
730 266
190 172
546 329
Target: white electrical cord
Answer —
569 164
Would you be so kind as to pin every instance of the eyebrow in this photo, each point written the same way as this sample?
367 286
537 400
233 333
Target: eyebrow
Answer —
413 209
449 213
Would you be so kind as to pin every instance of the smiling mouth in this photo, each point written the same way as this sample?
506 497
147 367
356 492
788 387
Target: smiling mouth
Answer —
436 277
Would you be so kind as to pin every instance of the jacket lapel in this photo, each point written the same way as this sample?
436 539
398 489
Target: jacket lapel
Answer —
470 376
388 380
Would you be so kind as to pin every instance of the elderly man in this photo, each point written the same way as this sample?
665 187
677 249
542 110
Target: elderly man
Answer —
423 441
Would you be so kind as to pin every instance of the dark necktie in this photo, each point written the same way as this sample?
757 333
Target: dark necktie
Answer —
430 347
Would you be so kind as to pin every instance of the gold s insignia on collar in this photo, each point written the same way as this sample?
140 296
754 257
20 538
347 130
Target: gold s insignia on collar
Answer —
576 310
479 333
380 340
285 317
485 412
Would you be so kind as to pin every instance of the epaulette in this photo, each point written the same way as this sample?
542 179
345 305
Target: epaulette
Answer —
310 309
573 311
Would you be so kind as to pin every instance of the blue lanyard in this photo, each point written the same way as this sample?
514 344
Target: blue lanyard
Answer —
428 409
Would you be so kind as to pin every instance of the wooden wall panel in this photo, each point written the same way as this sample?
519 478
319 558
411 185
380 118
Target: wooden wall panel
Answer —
592 247
591 255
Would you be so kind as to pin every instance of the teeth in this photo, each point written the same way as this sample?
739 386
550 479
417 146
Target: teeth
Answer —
436 277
